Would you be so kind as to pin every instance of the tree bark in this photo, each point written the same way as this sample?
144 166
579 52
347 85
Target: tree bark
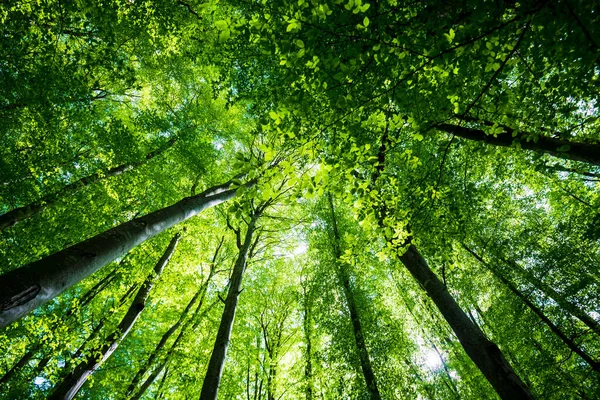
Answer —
577 151
30 286
553 294
484 353
22 213
198 296
363 352
76 379
85 300
154 374
306 325
537 311
212 379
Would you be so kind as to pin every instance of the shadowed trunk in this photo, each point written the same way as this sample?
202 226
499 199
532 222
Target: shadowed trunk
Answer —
484 353
19 214
198 296
537 311
306 325
69 387
30 286
363 352
585 152
210 387
553 294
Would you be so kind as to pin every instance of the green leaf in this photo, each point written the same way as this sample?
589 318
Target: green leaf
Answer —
366 22
221 25
223 36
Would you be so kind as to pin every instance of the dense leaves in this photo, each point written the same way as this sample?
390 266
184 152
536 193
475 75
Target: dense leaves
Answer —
354 137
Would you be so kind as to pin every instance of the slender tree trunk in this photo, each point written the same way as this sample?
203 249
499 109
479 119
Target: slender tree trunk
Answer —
553 294
184 321
363 352
30 286
536 310
163 341
76 379
210 387
150 380
306 325
484 353
154 374
100 325
159 391
271 379
22 213
585 152
20 364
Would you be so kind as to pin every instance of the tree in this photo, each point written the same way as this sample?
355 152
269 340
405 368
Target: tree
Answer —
385 136
77 378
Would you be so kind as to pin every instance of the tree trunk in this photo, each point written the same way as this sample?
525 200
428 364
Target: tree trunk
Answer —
484 353
100 325
306 325
553 294
19 214
212 379
163 341
585 152
30 286
159 391
85 300
75 380
154 374
363 352
536 310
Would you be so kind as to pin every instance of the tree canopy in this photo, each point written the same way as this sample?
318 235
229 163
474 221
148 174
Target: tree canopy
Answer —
318 199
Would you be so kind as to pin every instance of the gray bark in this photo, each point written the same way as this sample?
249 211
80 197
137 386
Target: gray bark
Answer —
69 387
30 286
484 353
212 379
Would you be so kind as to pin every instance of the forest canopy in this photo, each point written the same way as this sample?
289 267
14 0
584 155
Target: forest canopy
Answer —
307 199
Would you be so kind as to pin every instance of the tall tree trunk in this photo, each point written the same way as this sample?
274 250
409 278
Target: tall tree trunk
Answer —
585 152
30 286
536 310
196 318
198 296
22 213
484 353
553 294
363 352
212 379
75 380
159 391
85 300
306 326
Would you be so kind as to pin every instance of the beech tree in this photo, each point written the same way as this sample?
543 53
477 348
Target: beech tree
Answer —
382 199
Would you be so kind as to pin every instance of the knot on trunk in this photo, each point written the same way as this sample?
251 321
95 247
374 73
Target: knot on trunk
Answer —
24 296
